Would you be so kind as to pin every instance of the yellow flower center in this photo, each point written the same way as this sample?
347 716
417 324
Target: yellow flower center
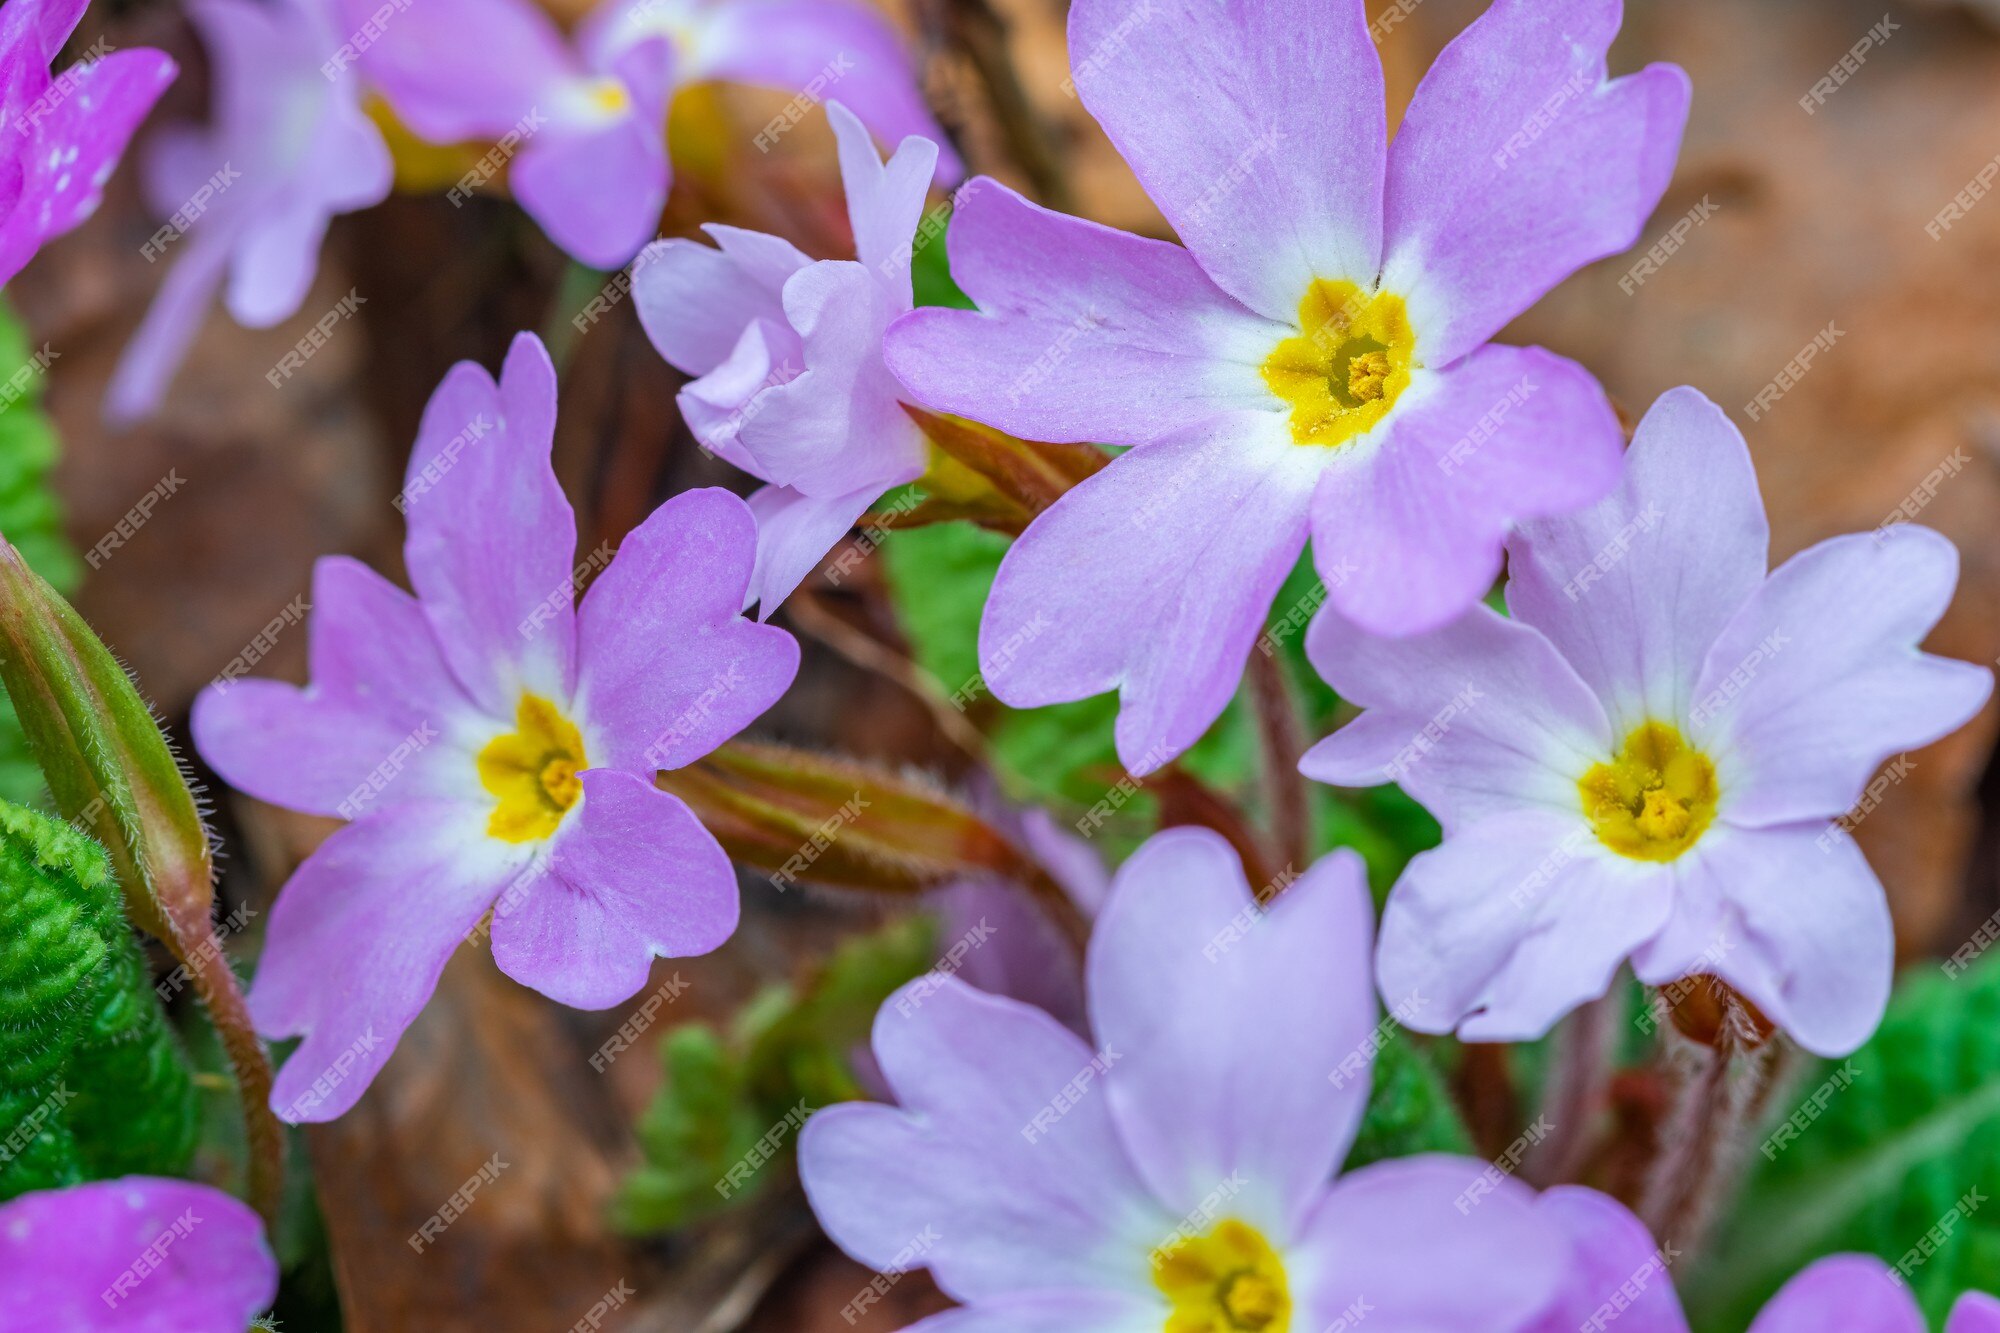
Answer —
1654 799
1227 1280
1347 365
609 97
532 770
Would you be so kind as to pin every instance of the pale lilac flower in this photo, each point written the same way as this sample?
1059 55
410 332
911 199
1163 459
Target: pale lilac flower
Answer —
590 118
1619 1277
1181 1173
62 135
244 203
134 1255
494 742
788 353
1643 762
1316 358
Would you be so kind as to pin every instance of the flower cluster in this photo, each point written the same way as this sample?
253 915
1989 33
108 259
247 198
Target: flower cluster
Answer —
578 128
1641 742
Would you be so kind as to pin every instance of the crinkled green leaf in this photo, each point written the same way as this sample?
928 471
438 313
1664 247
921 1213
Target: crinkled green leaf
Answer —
93 1083
1881 1149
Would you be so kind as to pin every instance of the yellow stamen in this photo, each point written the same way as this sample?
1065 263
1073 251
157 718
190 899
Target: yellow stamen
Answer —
1654 799
1347 365
1227 1280
532 770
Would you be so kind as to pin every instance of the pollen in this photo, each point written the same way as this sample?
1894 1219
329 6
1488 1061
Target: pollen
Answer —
1366 374
1227 1280
1655 797
532 772
1349 362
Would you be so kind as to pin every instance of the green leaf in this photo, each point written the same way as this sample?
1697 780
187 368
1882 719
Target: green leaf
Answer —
930 266
789 1046
1409 1108
93 1083
1871 1153
31 518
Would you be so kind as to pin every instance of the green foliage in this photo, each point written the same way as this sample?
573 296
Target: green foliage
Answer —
31 519
1873 1153
92 1081
930 271
790 1046
1065 757
1409 1108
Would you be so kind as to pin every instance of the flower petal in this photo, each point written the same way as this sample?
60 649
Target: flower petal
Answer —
885 201
1002 1156
1616 1269
1385 1235
1975 1312
358 939
1064 1312
1797 728
448 85
794 44
1854 1292
1635 589
633 877
598 194
1409 538
1479 718
1792 917
172 322
379 686
68 150
1517 163
838 424
695 300
67 1254
491 534
668 669
1225 1025
1083 333
1205 101
1153 576
794 533
1512 923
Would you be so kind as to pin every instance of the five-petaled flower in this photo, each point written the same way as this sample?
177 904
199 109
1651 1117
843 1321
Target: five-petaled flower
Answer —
492 755
1179 1174
1656 751
1316 357
591 166
792 388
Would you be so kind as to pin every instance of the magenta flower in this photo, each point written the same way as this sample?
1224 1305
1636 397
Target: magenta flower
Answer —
1644 760
1618 1277
135 1255
1316 358
788 352
494 743
1180 1174
246 201
64 134
590 118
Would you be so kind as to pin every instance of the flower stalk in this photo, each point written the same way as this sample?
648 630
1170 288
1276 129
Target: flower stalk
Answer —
114 778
